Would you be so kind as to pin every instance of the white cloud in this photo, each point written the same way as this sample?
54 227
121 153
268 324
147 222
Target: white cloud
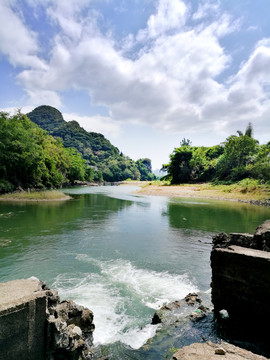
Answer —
100 124
17 42
171 81
40 97
205 9
170 15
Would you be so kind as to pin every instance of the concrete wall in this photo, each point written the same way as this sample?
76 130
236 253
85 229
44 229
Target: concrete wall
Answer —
241 281
22 321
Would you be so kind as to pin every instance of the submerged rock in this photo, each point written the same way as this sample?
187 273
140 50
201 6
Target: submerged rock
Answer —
179 310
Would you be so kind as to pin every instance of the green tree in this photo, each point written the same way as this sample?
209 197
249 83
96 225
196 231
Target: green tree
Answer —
30 157
179 168
185 142
145 168
260 169
238 154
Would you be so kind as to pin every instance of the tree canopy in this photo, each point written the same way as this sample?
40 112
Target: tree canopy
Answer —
236 158
30 157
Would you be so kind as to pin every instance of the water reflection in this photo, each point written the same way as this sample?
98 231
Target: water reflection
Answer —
213 216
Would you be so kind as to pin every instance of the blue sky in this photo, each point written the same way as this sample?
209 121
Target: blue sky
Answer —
145 73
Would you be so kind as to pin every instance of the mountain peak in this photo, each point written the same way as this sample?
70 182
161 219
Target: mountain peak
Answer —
46 114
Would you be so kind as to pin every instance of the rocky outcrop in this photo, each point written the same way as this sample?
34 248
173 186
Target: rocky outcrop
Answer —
210 351
190 307
259 241
35 324
70 331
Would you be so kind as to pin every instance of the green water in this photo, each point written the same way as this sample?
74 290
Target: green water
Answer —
120 254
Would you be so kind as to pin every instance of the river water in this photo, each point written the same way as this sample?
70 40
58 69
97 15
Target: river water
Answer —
121 254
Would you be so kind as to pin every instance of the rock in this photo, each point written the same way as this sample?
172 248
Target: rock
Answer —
241 239
199 313
192 299
221 240
262 236
160 314
259 241
176 311
211 351
220 351
70 331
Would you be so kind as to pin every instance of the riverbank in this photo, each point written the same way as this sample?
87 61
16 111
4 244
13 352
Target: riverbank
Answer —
249 193
48 195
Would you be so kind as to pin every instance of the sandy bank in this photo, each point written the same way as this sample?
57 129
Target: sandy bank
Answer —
202 191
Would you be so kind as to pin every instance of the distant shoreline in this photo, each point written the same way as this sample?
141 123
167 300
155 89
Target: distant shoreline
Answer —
35 196
203 191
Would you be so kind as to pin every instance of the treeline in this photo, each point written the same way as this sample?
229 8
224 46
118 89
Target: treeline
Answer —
107 162
237 158
31 158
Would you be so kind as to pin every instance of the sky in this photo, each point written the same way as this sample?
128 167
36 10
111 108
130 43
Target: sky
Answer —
145 73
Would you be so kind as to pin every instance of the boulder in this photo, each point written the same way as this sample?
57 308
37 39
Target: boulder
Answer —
70 331
190 307
259 241
211 351
262 236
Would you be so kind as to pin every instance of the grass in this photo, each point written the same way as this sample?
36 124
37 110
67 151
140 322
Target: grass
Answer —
46 195
245 190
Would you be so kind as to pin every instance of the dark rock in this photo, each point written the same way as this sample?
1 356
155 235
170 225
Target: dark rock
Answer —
192 299
156 319
240 239
262 236
259 241
221 240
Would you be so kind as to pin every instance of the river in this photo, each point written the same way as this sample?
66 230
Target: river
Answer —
121 254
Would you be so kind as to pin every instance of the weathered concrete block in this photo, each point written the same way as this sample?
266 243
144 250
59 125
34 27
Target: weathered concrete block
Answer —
241 285
22 320
35 325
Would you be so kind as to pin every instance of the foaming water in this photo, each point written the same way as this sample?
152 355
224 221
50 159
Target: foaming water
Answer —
122 297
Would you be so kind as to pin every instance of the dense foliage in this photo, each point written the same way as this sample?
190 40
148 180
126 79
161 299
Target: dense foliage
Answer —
239 157
30 157
105 160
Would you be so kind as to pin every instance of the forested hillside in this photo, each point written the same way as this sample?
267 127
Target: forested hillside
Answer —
238 157
106 161
31 158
